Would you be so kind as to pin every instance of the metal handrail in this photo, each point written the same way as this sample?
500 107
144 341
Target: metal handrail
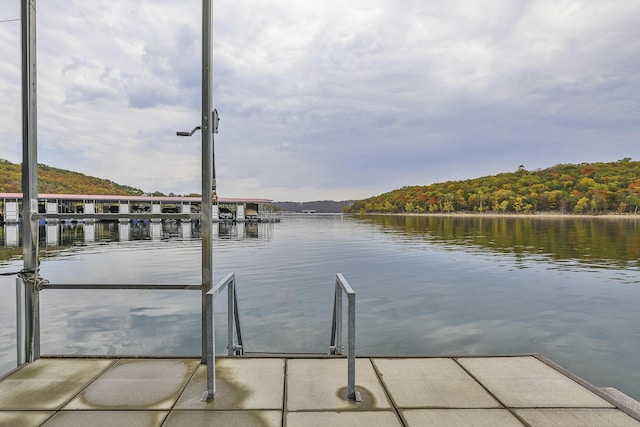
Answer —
233 330
121 286
335 346
28 308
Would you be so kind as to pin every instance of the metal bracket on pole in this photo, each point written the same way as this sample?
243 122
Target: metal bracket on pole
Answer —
215 119
184 133
335 346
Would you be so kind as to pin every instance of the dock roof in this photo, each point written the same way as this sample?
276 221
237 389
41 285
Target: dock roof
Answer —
145 198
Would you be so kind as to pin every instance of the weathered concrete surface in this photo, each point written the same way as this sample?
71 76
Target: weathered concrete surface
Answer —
290 391
620 399
240 384
47 384
459 417
528 382
224 418
569 417
345 418
24 418
431 383
144 384
107 419
314 384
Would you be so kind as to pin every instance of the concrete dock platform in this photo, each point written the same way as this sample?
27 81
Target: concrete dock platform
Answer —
290 391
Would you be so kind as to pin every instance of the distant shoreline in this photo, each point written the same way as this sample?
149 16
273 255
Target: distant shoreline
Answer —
550 215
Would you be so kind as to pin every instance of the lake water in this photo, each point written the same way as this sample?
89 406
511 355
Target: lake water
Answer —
568 288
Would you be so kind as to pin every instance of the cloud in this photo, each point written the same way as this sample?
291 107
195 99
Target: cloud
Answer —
324 100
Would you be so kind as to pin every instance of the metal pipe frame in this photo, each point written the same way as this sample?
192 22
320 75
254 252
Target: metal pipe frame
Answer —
208 180
28 312
21 322
234 348
335 347
119 286
29 328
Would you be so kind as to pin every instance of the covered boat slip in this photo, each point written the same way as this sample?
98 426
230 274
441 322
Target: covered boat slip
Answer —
52 207
282 390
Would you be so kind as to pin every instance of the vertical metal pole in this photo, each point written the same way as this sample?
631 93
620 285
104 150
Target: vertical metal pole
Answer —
351 352
29 179
231 288
211 351
341 284
21 322
207 162
239 347
338 317
332 342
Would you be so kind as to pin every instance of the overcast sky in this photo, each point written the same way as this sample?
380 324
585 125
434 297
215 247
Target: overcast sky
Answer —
327 100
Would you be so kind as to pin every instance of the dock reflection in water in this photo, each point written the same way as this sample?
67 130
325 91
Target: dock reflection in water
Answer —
565 288
58 234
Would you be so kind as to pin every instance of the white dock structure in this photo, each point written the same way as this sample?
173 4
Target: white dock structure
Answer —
89 204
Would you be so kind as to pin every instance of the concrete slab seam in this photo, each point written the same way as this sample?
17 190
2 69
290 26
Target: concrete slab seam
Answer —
179 396
387 392
285 389
455 359
511 410
184 387
593 389
91 381
50 416
380 383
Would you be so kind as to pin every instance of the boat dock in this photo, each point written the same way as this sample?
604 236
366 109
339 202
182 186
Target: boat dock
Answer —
281 390
52 208
251 390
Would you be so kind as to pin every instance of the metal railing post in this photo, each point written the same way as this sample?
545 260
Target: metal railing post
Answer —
335 346
208 179
338 314
210 331
234 330
230 318
29 182
237 347
351 349
21 322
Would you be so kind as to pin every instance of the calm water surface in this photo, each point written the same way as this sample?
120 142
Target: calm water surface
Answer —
566 288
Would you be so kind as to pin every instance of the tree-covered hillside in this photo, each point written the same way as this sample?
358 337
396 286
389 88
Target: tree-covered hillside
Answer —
60 181
568 188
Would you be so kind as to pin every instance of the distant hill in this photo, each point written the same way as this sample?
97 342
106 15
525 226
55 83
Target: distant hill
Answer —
60 181
593 188
322 206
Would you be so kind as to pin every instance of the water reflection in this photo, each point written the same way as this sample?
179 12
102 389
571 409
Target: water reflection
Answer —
595 242
124 232
11 237
58 235
52 234
431 285
89 231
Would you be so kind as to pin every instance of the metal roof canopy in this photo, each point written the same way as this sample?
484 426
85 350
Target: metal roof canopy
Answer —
112 197
29 336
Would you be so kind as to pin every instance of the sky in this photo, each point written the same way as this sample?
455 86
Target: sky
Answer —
327 100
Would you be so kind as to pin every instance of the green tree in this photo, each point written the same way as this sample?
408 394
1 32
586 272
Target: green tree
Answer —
581 205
